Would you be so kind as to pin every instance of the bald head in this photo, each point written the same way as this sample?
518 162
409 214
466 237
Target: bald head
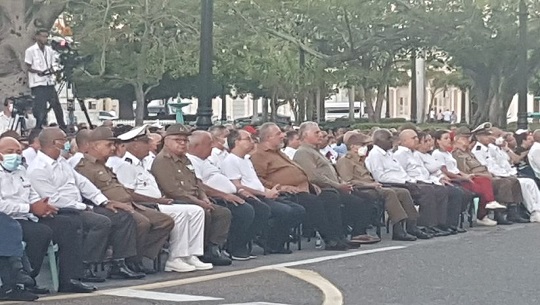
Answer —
409 139
48 136
496 132
155 141
536 135
200 144
9 145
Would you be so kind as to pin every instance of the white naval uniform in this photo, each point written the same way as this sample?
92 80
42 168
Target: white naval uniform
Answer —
529 189
187 236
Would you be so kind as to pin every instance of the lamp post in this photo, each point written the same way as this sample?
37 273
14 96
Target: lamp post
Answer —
414 106
523 73
204 109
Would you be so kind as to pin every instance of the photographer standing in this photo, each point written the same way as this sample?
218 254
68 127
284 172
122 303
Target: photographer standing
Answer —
40 59
9 120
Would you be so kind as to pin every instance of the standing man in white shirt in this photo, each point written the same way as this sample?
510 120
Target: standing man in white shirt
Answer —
40 60
292 142
187 237
220 151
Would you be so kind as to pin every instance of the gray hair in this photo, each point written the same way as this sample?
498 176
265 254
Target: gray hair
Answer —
264 130
197 136
305 127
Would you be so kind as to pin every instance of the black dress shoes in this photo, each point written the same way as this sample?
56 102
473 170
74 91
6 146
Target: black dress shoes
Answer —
75 286
436 232
214 256
140 268
420 235
281 250
398 233
16 293
37 290
501 219
334 245
91 277
119 270
457 229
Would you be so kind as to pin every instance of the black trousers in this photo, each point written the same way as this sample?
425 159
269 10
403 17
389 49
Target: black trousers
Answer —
358 211
42 95
248 220
284 215
323 213
66 231
457 200
121 235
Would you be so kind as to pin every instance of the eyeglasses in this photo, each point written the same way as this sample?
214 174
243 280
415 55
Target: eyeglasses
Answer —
180 140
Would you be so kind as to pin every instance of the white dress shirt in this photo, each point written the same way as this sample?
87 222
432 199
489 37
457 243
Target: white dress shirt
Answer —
75 159
29 155
149 160
501 158
289 151
481 152
217 156
534 158
236 168
64 187
40 61
384 168
211 175
447 159
17 194
414 166
431 164
113 162
132 174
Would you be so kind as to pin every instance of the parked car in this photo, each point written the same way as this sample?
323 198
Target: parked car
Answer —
107 115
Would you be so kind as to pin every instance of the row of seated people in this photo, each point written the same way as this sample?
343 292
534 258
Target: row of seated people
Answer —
211 193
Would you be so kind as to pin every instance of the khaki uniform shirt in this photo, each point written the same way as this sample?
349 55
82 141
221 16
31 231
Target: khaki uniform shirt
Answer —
176 177
468 163
319 170
103 178
353 170
274 167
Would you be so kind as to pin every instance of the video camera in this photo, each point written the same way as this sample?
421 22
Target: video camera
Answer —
21 104
69 57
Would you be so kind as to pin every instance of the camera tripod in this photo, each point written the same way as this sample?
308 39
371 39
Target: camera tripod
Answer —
18 121
69 85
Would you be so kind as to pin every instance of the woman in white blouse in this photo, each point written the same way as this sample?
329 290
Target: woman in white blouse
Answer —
479 185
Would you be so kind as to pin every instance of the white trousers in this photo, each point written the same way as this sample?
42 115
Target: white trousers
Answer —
187 236
531 194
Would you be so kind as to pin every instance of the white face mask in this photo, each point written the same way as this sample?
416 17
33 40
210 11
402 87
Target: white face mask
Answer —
362 151
499 141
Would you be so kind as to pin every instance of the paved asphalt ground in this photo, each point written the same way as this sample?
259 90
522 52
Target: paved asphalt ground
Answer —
484 266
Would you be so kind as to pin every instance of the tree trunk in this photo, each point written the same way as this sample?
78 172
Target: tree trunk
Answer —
264 109
273 106
19 21
368 99
139 108
126 108
381 96
309 107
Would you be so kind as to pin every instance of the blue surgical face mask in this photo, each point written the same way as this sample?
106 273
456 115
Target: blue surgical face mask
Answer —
11 161
67 146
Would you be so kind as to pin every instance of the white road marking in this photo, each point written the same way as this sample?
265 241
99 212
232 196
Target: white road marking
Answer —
332 295
217 276
157 296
